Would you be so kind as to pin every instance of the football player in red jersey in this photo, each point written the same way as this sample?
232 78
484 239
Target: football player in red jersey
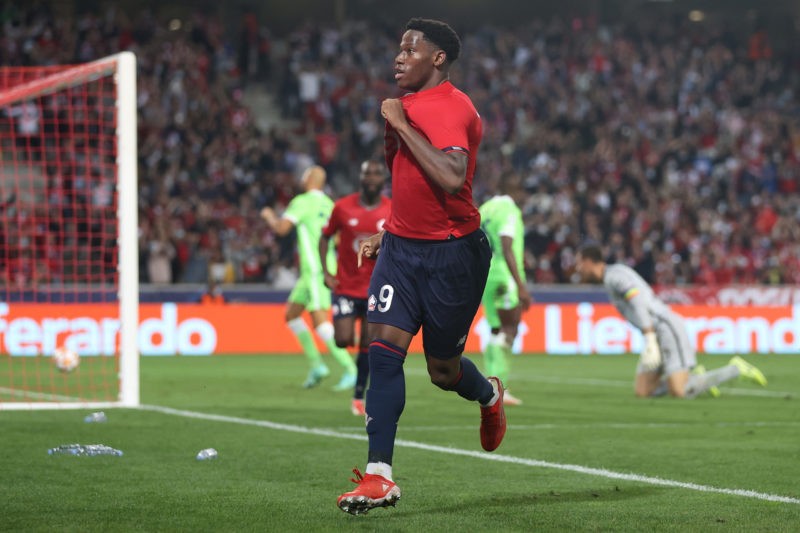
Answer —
354 218
434 259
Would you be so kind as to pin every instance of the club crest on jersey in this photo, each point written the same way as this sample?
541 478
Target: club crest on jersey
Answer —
346 306
371 302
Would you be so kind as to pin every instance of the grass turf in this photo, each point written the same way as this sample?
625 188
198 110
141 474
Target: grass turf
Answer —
578 412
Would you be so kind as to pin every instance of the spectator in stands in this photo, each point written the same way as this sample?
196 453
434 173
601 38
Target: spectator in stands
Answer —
160 252
674 135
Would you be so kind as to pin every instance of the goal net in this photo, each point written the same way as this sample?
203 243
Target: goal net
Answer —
68 235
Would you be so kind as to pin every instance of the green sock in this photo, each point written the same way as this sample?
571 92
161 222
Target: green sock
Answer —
309 348
501 362
489 358
342 357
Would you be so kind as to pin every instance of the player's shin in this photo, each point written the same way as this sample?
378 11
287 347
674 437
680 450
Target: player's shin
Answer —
471 384
501 358
386 398
342 356
300 330
362 363
700 383
489 357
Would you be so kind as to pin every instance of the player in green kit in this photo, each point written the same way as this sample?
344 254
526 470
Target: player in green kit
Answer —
309 212
506 295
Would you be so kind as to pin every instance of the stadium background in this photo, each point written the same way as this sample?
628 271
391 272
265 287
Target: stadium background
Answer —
582 454
267 74
283 17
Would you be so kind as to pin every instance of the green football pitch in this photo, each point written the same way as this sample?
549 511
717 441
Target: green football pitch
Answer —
580 454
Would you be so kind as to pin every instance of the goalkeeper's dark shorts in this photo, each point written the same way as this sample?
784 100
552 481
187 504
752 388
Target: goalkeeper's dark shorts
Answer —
345 306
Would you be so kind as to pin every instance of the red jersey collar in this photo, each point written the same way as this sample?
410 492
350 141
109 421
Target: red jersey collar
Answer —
443 88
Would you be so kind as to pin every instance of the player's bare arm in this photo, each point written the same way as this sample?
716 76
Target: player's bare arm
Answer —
280 226
522 289
447 170
330 280
370 247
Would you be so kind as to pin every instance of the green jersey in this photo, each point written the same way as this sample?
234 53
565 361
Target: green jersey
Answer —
309 212
500 217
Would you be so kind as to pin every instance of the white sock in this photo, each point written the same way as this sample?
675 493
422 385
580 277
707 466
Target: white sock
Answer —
499 339
297 325
380 469
325 331
495 397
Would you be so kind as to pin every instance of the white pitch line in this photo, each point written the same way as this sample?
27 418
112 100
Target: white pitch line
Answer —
600 472
757 392
624 384
628 384
44 396
610 425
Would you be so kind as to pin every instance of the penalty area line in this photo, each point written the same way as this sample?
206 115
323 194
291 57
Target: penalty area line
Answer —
598 472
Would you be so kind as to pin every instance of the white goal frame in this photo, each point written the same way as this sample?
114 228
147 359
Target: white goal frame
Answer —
123 67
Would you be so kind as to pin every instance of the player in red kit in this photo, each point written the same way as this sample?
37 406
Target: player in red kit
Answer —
432 257
354 218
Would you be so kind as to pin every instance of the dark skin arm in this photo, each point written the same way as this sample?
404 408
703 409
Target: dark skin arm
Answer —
447 170
370 247
330 280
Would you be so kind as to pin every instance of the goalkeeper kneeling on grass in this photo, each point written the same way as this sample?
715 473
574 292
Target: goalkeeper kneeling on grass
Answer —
667 364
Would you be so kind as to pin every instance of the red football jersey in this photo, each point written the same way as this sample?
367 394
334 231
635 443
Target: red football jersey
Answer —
421 209
354 223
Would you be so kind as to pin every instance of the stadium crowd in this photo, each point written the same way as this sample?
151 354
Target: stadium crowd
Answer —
675 144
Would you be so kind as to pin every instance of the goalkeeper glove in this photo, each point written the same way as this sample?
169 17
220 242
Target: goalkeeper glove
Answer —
650 358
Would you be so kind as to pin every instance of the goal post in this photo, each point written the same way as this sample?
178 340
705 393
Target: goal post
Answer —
69 265
127 213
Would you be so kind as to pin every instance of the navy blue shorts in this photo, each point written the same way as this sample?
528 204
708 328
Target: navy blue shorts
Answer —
434 284
346 306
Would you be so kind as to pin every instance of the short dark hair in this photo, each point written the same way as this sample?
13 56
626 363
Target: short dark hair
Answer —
439 33
592 252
